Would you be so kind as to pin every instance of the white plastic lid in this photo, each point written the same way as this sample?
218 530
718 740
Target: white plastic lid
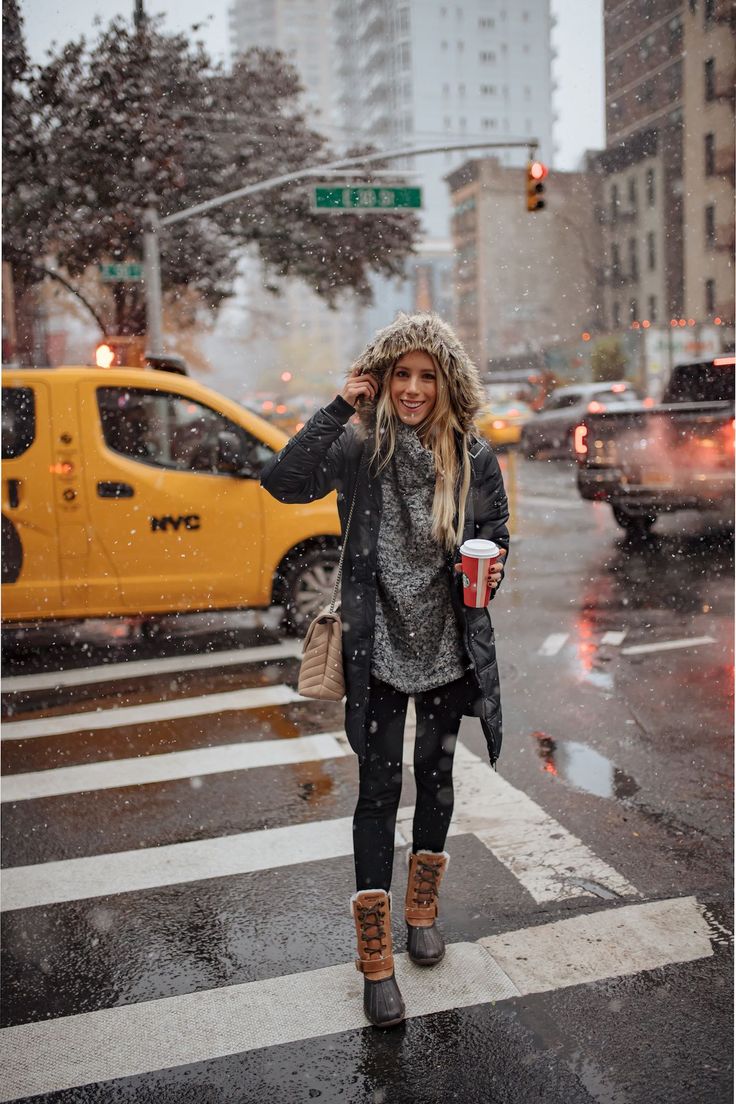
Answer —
480 549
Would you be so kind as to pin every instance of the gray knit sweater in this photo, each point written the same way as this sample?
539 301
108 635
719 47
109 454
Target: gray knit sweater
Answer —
418 644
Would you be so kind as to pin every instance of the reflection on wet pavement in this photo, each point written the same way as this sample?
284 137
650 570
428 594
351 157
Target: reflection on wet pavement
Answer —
583 767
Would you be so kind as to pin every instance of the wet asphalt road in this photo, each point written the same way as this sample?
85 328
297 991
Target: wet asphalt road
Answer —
616 774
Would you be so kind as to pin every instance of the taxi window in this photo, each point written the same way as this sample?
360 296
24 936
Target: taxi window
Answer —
171 431
18 421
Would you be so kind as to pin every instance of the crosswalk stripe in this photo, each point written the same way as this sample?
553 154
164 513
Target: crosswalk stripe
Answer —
667 645
92 1047
175 863
112 774
542 855
552 644
252 698
142 668
614 638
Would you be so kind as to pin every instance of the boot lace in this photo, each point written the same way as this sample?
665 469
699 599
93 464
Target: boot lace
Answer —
373 917
424 889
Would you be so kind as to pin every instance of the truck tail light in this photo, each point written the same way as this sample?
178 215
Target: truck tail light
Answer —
581 440
595 407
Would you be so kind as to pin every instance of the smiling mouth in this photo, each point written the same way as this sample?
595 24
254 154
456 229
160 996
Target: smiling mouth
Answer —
412 407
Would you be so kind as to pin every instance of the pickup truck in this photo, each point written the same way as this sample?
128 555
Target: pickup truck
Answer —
678 455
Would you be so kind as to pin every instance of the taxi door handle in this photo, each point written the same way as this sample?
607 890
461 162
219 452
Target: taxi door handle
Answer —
14 493
114 490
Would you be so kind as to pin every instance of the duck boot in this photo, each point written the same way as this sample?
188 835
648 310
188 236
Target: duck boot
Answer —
425 944
371 909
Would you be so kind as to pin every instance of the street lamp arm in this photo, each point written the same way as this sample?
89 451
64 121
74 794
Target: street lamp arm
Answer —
343 163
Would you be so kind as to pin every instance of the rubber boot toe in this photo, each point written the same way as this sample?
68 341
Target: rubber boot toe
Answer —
383 1003
426 946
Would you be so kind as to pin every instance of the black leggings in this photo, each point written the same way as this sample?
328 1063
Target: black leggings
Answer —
439 713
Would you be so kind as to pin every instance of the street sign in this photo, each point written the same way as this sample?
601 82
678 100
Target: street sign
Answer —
365 199
124 272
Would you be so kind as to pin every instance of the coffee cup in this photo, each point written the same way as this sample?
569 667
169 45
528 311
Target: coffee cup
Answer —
477 557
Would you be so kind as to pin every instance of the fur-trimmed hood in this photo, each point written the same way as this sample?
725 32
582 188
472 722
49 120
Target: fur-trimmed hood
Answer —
428 333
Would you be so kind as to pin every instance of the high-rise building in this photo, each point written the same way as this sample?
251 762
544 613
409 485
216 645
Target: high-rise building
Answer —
304 331
299 28
418 72
659 179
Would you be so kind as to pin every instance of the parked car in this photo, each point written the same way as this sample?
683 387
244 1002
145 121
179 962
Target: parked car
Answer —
551 430
501 423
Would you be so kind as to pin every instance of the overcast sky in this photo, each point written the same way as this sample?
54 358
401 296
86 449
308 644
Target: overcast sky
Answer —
578 39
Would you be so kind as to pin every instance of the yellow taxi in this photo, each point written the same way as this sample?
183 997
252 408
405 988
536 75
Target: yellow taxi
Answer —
135 492
501 423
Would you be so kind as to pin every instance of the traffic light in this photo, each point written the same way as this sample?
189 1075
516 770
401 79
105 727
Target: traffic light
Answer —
536 173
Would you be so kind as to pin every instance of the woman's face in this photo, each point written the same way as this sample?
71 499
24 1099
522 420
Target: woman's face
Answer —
414 387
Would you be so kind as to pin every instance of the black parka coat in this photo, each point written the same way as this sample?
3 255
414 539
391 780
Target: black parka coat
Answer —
328 454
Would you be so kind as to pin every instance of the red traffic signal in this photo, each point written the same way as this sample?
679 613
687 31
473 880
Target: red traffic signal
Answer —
536 173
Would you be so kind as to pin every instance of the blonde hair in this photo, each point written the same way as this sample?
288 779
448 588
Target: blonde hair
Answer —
438 432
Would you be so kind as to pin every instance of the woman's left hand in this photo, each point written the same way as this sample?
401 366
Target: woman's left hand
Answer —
495 570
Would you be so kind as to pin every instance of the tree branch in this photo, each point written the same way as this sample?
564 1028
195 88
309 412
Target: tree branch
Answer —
75 291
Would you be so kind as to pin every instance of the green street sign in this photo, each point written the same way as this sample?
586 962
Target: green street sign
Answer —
121 273
366 199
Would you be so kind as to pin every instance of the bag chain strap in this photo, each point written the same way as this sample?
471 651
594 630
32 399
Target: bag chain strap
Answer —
338 575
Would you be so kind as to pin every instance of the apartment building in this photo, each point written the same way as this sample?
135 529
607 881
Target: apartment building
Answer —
708 170
664 194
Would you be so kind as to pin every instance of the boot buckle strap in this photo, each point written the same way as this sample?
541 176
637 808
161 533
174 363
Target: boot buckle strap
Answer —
421 917
368 966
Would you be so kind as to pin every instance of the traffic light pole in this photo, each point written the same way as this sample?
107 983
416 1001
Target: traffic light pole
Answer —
153 224
152 281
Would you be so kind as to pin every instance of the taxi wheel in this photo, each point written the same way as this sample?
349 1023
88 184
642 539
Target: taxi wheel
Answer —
308 582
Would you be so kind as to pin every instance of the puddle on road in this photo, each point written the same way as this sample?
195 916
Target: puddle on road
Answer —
583 768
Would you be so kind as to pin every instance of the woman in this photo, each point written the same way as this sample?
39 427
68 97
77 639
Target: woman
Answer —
421 483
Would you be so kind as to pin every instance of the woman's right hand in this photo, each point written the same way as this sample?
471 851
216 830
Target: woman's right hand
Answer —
360 388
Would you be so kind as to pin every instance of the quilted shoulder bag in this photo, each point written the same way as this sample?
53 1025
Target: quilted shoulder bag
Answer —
321 673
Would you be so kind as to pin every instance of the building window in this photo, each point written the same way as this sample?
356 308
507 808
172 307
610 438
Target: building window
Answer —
650 187
710 297
710 154
710 80
675 34
693 6
632 195
615 261
709 11
461 90
710 225
405 55
633 310
487 55
652 308
404 20
651 251
633 259
616 316
488 89
614 203
486 22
